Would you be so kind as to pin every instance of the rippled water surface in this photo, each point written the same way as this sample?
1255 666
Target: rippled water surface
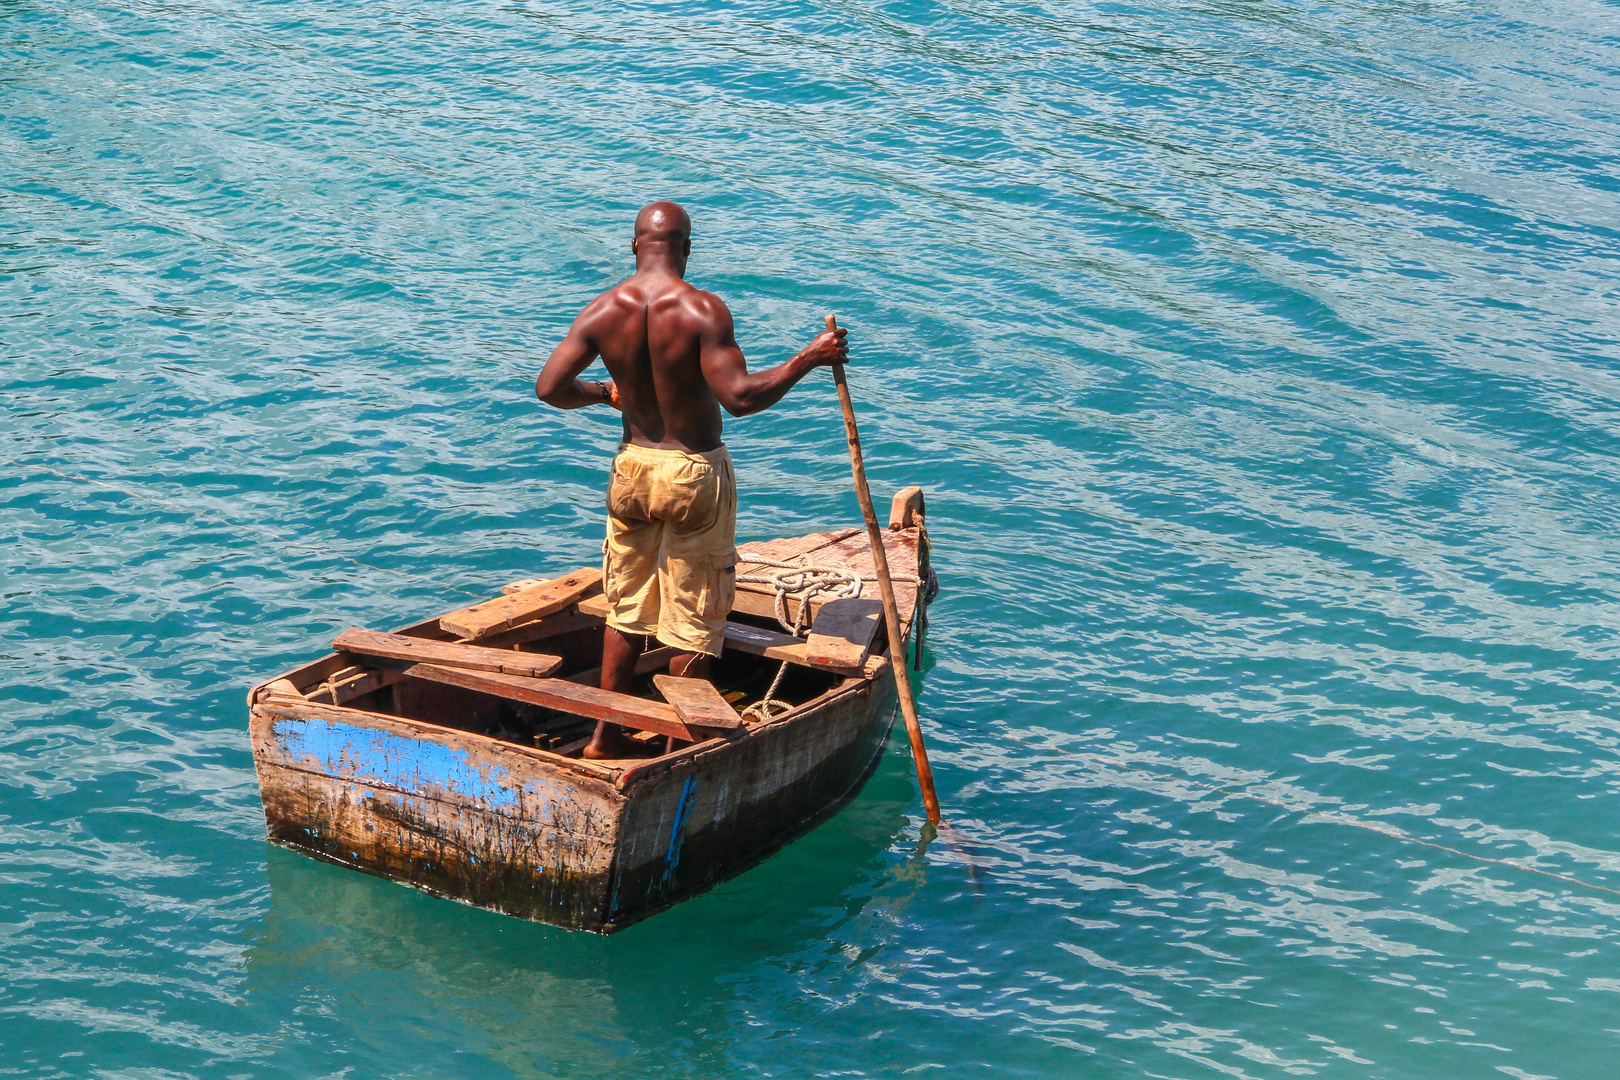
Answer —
1259 360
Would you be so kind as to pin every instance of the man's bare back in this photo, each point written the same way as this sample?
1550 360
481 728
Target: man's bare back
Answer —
673 355
671 349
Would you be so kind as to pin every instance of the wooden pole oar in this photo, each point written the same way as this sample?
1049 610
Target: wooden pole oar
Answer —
891 610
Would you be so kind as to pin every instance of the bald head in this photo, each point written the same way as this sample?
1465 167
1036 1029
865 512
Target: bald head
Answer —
663 223
663 239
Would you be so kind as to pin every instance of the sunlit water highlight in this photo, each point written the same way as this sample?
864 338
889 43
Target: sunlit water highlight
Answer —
1259 360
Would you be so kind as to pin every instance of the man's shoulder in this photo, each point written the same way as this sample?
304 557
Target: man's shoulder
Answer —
623 294
608 307
708 309
710 301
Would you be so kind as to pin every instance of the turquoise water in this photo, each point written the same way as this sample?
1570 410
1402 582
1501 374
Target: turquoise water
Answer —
1259 361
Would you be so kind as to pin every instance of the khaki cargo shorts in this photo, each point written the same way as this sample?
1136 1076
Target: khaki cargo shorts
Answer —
669 566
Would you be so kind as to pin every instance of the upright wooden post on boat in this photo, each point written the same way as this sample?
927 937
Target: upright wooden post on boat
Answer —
891 611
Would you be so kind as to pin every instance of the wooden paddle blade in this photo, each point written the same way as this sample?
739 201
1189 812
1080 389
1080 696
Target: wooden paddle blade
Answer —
842 635
697 702
446 653
505 612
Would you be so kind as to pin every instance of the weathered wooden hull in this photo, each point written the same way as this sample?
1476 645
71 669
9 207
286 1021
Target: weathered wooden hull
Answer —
532 835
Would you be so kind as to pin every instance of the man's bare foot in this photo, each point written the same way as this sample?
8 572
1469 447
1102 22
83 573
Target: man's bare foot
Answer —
609 742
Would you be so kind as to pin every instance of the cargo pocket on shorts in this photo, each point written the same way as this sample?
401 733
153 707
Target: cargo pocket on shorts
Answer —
719 587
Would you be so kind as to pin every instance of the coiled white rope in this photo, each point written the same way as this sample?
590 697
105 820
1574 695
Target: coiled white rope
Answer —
801 581
805 582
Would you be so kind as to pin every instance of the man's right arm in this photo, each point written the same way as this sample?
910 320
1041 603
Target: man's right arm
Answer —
559 384
742 392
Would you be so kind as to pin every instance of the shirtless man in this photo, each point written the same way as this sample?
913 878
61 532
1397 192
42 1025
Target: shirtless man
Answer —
669 564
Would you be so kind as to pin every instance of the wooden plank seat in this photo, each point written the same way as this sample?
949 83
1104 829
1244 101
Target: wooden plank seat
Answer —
842 635
374 643
522 606
697 702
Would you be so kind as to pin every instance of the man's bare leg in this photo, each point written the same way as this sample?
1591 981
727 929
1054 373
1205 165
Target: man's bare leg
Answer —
620 651
689 665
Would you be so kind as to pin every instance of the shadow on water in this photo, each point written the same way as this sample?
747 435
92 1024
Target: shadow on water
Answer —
352 961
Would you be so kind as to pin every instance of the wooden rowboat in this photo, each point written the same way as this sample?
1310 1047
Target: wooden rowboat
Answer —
447 755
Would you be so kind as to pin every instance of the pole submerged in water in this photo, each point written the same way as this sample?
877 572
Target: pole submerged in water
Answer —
891 610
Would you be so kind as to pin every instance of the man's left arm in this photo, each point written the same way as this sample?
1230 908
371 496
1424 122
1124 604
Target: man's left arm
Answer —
741 391
559 384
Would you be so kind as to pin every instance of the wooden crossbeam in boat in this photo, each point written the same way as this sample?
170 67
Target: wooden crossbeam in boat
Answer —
339 682
341 691
446 653
771 644
505 612
568 697
562 622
